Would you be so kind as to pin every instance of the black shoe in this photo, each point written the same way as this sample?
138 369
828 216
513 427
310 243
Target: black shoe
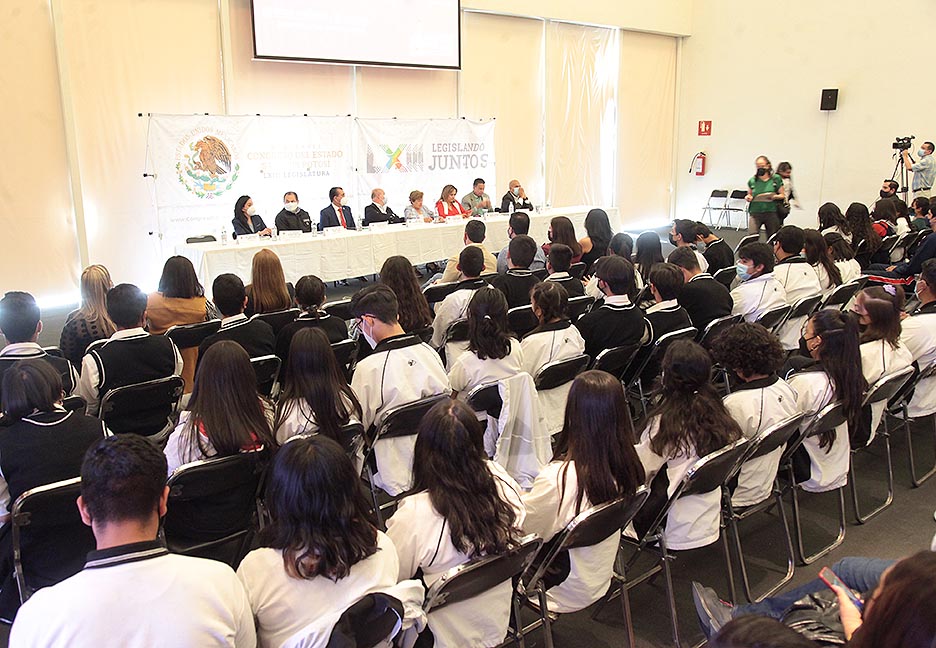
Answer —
713 612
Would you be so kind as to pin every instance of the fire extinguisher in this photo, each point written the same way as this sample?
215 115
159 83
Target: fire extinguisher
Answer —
698 164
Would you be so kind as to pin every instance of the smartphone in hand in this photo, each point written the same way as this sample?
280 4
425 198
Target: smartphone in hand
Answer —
829 578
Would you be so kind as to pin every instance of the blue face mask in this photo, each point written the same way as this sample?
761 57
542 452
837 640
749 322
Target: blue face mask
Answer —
742 271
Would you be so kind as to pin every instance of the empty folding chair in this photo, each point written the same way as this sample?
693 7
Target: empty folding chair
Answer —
716 202
774 318
521 320
340 308
726 276
842 295
578 306
899 407
577 270
737 204
615 360
437 292
750 238
266 369
145 408
716 327
278 319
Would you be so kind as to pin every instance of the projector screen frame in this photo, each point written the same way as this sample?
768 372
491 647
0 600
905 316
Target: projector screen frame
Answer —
299 59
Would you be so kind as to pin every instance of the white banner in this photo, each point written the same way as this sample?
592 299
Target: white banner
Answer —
401 155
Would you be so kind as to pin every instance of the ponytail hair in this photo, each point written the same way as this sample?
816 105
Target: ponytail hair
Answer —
818 254
551 299
841 360
884 306
487 324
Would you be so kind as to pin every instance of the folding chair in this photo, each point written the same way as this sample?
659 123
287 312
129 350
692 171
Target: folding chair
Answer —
53 351
707 474
278 319
340 308
578 306
577 270
521 320
898 407
144 408
842 295
558 373
483 574
485 398
351 437
914 244
212 510
767 441
266 368
590 527
863 253
716 195
345 352
716 327
373 620
903 243
750 238
204 238
888 243
726 276
885 388
541 274
50 542
632 375
437 292
774 318
75 403
616 359
424 334
737 203
187 336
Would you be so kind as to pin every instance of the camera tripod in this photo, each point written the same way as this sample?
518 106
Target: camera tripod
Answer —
904 181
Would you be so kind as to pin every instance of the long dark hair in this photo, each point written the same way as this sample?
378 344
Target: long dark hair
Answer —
397 273
598 228
563 231
449 463
598 436
319 513
225 406
884 309
839 247
831 216
179 279
622 245
841 360
239 207
692 415
313 376
649 253
817 253
30 385
488 335
859 224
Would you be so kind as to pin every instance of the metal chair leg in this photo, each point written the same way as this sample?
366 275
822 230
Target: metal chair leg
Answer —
544 617
853 483
791 559
373 491
798 527
729 570
628 621
670 595
518 623
914 478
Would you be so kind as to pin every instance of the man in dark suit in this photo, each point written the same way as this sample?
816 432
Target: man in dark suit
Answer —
256 336
702 296
378 211
246 219
337 214
291 217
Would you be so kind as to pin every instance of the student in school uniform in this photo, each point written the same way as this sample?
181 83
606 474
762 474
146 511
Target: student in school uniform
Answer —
798 277
918 335
704 298
617 322
690 422
558 263
760 400
475 232
844 256
401 369
463 506
819 256
594 462
665 316
310 294
319 555
718 253
256 336
684 233
455 304
759 291
517 282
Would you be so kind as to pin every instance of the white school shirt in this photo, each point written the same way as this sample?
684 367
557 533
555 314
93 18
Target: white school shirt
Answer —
177 451
558 341
546 515
918 335
298 418
592 290
756 296
284 605
401 370
825 282
693 521
422 539
454 307
756 406
703 262
469 371
850 269
879 358
139 595
799 280
828 468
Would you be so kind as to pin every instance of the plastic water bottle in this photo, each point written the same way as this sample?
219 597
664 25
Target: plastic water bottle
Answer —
224 236
510 207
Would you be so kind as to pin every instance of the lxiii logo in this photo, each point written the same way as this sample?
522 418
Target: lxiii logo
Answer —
403 158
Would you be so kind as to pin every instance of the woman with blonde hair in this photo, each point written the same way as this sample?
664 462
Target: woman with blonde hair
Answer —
268 291
90 322
449 204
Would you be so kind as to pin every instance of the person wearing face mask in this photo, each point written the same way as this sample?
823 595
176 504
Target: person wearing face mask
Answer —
515 197
378 211
765 190
291 217
888 189
799 279
924 171
684 233
337 214
918 335
246 219
759 291
401 369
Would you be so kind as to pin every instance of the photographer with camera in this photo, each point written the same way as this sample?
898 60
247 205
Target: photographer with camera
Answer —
765 192
924 171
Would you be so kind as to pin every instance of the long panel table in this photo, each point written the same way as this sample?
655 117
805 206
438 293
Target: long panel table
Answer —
340 254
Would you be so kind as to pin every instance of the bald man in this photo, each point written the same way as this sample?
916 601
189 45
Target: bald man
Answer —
517 197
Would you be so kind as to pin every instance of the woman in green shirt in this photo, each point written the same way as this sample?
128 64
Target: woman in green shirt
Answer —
764 212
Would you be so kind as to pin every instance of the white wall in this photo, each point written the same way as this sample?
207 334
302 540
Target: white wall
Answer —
761 85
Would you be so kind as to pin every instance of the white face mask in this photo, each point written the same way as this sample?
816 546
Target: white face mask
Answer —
344 201
367 336
515 191
292 206
922 152
251 211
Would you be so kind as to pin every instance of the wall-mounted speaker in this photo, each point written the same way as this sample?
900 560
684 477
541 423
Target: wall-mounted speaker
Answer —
829 99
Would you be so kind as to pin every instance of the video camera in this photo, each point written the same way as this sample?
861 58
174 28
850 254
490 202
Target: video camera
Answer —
903 143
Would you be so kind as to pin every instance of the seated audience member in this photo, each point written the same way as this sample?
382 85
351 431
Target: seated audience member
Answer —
759 291
704 298
130 355
831 339
818 255
449 204
798 278
888 189
761 400
455 305
515 199
337 213
649 252
558 263
132 591
179 300
594 462
879 310
464 506
925 250
665 316
831 219
492 354
21 325
844 257
689 422
918 335
401 369
291 217
246 219
622 245
758 632
90 322
519 225
378 211
718 253
555 338
268 291
225 415
562 231
310 295
417 210
860 229
256 336
598 237
475 231
476 202
315 397
684 233
921 207
40 443
397 274
518 280
318 555
617 322
887 219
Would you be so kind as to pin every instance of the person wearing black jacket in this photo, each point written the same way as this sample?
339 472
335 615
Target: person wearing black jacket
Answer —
291 217
718 253
704 298
246 219
515 197
256 336
517 283
378 211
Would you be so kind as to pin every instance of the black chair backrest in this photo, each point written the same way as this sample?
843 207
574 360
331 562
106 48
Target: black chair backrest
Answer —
716 327
719 193
278 319
577 269
340 308
888 242
345 352
371 621
143 408
50 542
437 292
457 331
186 336
738 194
404 420
828 418
266 368
486 398
655 357
773 318
726 276
481 574
750 238
521 320
75 403
805 306
776 436
204 238
578 306
351 435
614 361
541 274
424 334
560 372
54 351
711 471
885 387
841 295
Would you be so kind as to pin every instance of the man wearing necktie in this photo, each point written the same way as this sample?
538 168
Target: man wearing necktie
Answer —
337 214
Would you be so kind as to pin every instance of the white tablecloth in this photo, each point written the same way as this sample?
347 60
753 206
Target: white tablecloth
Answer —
339 253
